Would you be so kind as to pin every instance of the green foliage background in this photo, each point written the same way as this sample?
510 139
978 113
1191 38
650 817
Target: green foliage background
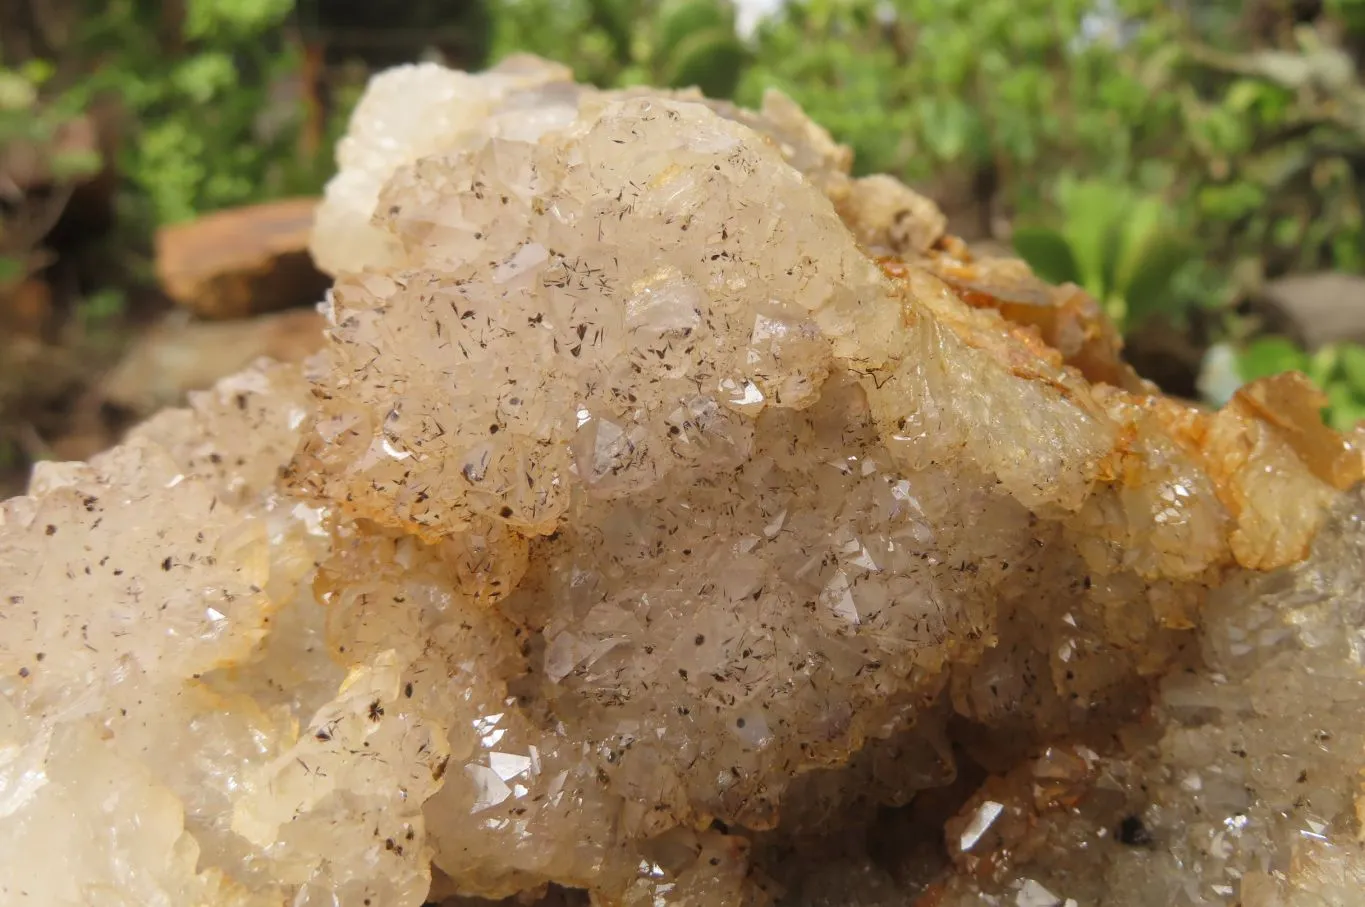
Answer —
1163 155
1251 151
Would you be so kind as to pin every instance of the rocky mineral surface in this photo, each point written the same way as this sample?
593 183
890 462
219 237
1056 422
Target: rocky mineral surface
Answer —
674 519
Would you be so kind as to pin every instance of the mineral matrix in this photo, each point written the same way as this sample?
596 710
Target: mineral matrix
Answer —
674 519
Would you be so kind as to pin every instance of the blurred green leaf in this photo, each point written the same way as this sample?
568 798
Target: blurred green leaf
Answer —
1345 407
1150 288
1047 253
76 163
16 92
679 20
710 60
11 269
37 71
1348 250
1093 216
204 75
1352 362
1230 201
205 19
1320 365
1268 356
947 126
1244 93
101 307
1140 226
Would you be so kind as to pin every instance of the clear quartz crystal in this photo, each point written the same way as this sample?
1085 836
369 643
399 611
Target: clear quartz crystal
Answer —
674 518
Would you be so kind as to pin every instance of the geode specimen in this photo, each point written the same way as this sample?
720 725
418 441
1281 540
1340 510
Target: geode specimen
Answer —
675 518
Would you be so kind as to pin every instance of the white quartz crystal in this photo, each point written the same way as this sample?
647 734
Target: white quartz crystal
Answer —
673 519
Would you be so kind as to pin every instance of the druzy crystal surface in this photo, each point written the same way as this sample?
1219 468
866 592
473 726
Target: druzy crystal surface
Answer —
675 519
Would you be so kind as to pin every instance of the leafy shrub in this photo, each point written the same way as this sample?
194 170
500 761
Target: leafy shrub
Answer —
1024 89
1259 146
208 124
1273 149
671 43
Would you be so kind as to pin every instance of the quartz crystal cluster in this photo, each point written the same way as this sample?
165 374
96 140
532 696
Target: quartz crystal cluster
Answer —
675 519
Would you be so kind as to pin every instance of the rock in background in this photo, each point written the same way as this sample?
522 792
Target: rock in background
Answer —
1315 309
242 261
